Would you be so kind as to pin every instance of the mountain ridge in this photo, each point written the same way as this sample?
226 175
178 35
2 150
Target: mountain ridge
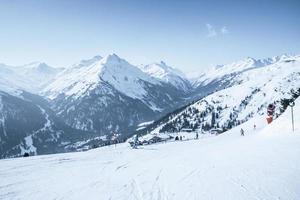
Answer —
106 96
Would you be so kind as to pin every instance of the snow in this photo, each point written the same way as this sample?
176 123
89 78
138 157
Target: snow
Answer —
47 125
145 123
237 67
31 77
104 138
257 86
125 77
153 106
88 74
167 74
264 164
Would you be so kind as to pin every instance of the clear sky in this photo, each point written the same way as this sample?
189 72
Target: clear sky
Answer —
188 35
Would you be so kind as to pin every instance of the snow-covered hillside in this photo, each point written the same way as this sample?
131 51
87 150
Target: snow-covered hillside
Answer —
264 164
248 94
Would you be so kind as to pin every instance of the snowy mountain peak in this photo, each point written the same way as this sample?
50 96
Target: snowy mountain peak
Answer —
88 74
249 60
34 64
163 65
162 69
219 66
97 57
282 57
114 60
167 74
235 67
218 72
112 57
40 67
87 62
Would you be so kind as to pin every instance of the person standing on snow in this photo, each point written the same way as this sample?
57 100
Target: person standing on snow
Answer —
136 141
242 132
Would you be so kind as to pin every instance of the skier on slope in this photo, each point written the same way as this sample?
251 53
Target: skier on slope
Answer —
135 142
242 132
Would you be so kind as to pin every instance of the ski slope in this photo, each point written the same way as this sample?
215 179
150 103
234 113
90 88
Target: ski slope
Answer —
264 164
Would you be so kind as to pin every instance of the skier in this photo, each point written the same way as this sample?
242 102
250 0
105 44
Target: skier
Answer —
254 126
197 136
270 112
242 132
136 141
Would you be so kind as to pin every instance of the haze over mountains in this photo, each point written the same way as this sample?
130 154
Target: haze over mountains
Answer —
44 109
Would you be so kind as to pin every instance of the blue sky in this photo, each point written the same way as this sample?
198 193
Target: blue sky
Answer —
188 35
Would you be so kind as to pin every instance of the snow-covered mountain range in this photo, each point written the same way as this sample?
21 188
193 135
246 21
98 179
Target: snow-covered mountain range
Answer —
168 74
31 77
98 97
109 95
236 93
221 76
87 103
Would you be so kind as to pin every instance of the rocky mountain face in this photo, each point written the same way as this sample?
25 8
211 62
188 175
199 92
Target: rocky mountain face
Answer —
28 125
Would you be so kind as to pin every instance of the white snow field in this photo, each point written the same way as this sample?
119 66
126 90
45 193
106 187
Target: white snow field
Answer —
264 164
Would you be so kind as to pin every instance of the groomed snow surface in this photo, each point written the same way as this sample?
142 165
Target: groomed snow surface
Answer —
264 164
